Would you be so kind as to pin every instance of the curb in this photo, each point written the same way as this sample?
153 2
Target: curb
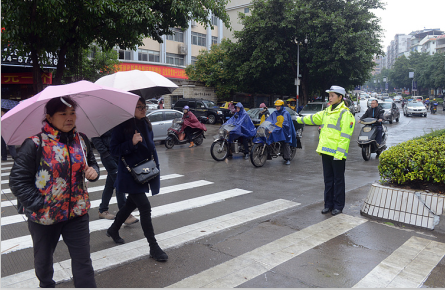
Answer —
417 208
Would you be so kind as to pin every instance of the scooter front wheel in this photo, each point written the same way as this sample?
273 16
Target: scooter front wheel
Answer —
366 152
169 143
219 150
258 156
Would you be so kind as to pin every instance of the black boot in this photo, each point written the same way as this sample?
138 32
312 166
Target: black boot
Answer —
157 253
114 234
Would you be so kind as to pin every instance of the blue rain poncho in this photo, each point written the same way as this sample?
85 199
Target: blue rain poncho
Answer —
283 128
244 126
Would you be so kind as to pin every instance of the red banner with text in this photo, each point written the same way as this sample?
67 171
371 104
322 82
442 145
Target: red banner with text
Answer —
166 71
24 78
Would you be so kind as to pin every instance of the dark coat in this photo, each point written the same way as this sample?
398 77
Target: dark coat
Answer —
378 114
102 144
121 145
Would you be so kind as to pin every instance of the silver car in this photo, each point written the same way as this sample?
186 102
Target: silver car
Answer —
414 108
312 108
161 120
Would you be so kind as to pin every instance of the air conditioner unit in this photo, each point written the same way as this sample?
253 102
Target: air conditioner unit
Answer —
182 49
193 23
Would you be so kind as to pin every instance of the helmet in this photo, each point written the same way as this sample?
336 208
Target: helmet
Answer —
434 99
279 103
336 89
262 105
186 107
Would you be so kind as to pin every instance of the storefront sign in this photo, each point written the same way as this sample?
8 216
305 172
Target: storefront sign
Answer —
13 59
166 71
24 78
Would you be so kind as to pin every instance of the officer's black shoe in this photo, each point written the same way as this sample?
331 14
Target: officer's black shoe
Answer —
325 210
335 212
158 254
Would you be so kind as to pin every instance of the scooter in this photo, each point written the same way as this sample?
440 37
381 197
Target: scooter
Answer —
367 136
434 108
174 139
220 147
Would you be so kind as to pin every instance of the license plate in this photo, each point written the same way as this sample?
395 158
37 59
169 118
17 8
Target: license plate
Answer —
363 138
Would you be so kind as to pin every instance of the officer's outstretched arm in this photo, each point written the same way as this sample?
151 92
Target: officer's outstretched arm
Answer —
347 125
315 119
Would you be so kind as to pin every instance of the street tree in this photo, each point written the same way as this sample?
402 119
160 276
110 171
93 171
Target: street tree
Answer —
400 73
342 38
59 27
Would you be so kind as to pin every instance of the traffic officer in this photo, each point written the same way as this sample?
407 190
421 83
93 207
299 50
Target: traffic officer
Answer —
337 125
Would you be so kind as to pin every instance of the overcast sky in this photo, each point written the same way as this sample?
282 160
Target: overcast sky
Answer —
405 16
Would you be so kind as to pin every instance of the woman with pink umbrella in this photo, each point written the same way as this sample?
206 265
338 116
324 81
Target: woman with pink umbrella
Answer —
48 179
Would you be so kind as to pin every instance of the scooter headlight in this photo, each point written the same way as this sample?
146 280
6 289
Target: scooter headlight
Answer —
367 129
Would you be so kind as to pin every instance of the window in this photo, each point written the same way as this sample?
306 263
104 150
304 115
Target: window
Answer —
178 35
192 104
198 39
124 54
148 55
214 40
200 105
194 59
246 10
175 59
172 115
155 117
215 20
174 99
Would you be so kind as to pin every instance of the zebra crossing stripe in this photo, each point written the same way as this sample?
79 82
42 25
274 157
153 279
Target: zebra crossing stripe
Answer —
407 267
10 167
128 252
12 162
101 187
100 169
24 242
95 203
254 263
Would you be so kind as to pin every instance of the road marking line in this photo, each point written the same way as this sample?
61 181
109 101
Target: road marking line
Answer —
95 203
254 263
10 167
24 242
407 267
121 254
100 169
12 162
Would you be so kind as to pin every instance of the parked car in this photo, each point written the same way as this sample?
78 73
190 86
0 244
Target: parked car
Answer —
312 108
357 107
203 108
398 98
350 105
151 105
414 108
161 120
391 111
254 116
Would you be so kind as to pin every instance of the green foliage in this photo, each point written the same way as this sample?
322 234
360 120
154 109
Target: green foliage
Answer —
63 27
216 69
418 160
92 64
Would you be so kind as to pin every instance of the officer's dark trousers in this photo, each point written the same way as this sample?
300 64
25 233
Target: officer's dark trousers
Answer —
334 182
76 235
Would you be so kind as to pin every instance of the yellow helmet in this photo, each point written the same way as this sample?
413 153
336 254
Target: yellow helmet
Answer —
279 103
434 99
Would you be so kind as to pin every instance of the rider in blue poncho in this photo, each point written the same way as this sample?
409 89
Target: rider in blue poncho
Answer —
284 129
244 128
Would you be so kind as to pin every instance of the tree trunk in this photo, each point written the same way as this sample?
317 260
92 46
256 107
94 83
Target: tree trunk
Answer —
60 65
36 73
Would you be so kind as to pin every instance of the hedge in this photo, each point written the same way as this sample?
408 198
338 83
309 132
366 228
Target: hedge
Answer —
418 160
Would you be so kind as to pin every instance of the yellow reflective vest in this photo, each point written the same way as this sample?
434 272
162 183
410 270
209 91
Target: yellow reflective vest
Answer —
337 127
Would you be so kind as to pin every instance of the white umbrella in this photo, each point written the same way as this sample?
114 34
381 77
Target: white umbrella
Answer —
99 109
146 84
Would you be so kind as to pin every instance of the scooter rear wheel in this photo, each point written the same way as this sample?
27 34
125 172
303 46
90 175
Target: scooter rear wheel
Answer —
198 141
366 152
169 143
293 151
219 150
257 158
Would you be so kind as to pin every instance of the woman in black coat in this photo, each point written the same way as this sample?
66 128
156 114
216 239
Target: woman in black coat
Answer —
133 140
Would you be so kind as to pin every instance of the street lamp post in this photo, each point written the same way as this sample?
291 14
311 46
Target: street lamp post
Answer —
412 75
386 83
297 80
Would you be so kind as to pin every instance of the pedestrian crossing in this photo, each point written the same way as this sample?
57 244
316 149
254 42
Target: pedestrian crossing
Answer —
406 267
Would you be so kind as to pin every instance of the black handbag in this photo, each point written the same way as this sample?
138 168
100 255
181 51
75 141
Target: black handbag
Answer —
143 171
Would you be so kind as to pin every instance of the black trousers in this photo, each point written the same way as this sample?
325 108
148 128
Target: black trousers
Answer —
334 182
189 132
76 235
140 201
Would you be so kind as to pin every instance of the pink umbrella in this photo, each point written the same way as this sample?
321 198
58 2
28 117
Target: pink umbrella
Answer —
99 109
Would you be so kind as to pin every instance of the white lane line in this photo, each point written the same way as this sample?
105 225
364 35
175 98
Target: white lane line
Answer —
254 263
25 242
128 252
95 203
98 188
407 267
8 173
10 167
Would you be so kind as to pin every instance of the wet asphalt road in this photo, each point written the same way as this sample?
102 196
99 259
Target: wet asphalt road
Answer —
340 261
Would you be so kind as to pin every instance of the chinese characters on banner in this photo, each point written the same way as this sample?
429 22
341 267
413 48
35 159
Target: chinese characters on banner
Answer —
166 71
24 78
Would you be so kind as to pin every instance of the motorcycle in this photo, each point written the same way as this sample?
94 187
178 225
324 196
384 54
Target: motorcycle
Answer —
366 139
220 147
173 135
261 151
434 108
